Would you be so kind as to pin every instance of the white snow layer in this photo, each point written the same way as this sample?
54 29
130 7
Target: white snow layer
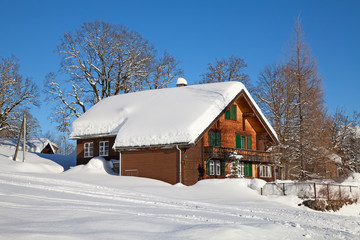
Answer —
159 117
33 162
87 203
32 144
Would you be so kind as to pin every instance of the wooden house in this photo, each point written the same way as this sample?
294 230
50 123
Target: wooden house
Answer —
181 134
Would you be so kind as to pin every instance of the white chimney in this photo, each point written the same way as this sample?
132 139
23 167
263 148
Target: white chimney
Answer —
181 82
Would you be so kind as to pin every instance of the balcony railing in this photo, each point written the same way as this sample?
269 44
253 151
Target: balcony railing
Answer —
223 153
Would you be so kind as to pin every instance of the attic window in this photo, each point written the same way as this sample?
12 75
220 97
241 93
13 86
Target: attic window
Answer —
214 139
231 114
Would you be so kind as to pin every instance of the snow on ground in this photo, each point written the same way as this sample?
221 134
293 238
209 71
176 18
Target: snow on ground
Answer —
88 203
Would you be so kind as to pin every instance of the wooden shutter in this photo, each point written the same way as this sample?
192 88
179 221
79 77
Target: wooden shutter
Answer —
227 115
233 113
248 169
217 139
208 167
248 142
223 168
211 139
238 141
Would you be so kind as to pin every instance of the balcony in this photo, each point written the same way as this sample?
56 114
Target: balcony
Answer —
223 153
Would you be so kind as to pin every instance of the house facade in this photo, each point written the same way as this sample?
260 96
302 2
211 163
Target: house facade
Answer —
200 138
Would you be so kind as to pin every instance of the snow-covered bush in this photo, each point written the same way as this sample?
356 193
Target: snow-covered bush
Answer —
237 169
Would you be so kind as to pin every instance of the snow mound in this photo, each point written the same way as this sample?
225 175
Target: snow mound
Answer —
97 165
353 179
34 162
232 188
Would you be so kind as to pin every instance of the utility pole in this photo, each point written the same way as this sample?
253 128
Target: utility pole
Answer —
23 126
24 135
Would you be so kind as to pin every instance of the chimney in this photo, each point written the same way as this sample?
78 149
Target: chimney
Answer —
181 82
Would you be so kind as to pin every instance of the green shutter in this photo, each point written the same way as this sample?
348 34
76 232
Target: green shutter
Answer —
223 168
248 142
211 139
238 141
248 170
208 167
217 139
233 113
227 115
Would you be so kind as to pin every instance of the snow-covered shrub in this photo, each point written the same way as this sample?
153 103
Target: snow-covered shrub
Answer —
237 169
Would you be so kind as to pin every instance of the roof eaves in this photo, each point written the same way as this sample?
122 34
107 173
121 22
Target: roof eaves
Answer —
92 136
163 146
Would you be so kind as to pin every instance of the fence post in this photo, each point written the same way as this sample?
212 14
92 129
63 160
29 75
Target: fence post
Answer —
284 189
350 188
315 190
328 192
261 191
340 191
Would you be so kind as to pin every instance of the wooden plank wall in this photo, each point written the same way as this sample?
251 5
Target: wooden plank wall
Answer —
80 159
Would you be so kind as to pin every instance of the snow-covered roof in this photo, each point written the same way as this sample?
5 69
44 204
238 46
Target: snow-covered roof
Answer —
32 144
159 117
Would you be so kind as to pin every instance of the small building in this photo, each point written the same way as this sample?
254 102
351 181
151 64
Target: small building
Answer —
38 145
181 134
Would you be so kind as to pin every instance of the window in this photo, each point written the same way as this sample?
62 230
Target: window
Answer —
211 169
104 148
242 170
231 114
88 149
215 168
241 140
265 171
214 139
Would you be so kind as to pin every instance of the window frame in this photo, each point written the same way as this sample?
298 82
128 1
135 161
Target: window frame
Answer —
103 152
211 167
217 168
265 171
242 168
88 149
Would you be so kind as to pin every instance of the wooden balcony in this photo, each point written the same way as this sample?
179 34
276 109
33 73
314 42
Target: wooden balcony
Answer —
226 154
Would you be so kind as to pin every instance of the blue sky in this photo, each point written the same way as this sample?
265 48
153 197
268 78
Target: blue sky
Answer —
195 33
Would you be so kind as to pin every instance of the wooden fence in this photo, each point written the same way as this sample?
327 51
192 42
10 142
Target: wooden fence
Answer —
313 190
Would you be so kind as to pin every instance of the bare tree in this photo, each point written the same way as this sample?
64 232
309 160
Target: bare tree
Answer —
102 60
308 138
345 140
15 93
292 95
163 72
231 69
276 96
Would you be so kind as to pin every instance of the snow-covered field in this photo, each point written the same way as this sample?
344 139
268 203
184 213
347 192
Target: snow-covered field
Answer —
39 201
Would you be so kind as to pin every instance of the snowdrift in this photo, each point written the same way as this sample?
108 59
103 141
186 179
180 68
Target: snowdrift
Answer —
96 165
34 162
